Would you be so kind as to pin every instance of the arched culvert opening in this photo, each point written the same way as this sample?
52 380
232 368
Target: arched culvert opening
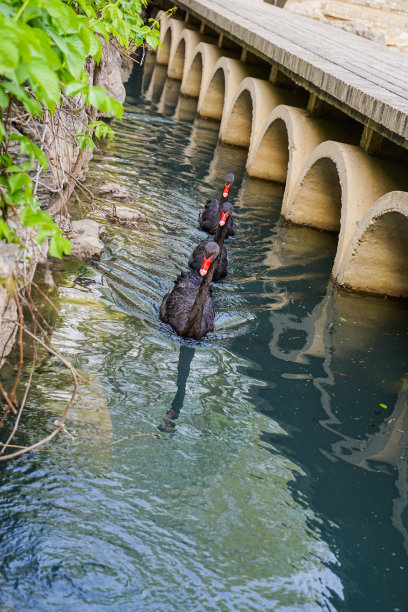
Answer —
272 157
213 103
176 66
318 198
192 83
238 129
163 54
379 260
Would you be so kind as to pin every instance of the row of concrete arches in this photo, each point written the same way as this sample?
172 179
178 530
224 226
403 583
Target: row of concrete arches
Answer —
331 183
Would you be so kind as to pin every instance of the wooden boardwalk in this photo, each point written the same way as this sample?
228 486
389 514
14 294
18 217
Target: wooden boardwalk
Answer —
366 80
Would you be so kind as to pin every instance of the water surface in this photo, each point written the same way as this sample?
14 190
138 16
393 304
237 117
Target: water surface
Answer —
278 483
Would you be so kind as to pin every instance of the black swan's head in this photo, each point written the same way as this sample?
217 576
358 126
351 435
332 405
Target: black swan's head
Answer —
226 211
211 251
228 180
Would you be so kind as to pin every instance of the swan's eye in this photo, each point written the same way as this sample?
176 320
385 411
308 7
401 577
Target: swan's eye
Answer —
205 265
226 190
224 217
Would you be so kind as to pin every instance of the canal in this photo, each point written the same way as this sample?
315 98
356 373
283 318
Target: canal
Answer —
279 481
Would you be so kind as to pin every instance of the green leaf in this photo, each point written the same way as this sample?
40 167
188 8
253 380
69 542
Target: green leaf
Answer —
343 319
7 233
74 88
28 146
17 181
13 168
97 96
9 56
4 99
47 83
58 246
152 41
30 104
31 217
384 406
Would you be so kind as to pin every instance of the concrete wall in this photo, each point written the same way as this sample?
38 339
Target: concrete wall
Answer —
332 182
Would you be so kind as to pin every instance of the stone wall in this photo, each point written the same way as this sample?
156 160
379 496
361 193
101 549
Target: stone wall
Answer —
67 166
378 20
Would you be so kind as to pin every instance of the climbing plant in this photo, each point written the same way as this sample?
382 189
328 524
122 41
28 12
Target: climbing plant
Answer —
44 46
50 51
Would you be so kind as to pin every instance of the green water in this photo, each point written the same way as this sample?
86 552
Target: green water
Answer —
278 483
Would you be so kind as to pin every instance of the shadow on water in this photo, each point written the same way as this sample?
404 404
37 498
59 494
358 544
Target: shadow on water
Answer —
186 355
283 483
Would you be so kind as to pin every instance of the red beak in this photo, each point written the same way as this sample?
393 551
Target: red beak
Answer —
205 265
224 217
226 191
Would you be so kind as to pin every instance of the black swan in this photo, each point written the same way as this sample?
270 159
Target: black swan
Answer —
196 256
188 307
210 216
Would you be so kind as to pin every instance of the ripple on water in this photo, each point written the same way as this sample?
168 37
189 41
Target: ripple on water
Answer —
241 506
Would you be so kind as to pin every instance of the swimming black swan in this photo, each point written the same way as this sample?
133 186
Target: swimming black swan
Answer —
188 307
210 216
196 256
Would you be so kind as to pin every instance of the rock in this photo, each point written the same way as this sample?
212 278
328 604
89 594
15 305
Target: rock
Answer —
109 75
8 308
114 191
126 68
129 217
86 236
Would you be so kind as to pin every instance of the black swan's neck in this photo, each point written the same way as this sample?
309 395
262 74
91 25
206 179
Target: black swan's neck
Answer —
220 234
192 328
221 204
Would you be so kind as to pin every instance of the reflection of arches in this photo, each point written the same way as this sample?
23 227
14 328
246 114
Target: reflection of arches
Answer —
287 139
387 446
225 159
186 109
244 117
198 68
156 83
203 136
219 90
376 259
181 53
169 97
336 188
148 69
170 33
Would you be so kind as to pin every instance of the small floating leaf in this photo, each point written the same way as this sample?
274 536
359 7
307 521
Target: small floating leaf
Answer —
384 406
342 319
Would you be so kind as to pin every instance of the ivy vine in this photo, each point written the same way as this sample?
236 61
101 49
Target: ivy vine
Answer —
44 47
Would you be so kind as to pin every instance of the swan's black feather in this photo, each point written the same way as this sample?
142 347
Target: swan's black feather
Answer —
196 259
209 218
177 304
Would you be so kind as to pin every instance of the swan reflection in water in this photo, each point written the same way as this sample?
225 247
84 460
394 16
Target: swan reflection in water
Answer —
183 371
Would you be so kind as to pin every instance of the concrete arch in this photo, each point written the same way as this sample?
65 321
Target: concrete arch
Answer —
376 259
218 92
337 186
181 53
252 102
288 137
198 68
170 32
